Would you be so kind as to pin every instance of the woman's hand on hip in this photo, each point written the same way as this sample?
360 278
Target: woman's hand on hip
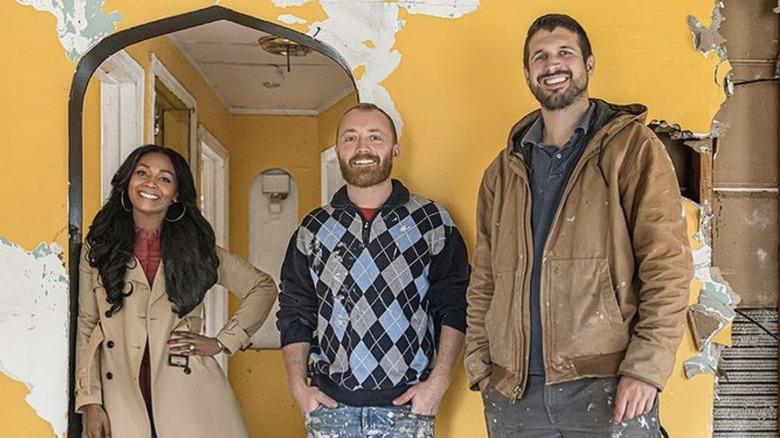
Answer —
95 422
190 344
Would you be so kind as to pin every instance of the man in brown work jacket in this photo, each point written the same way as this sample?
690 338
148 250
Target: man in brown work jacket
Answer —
580 277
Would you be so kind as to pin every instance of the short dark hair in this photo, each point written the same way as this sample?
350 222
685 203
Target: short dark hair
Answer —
549 23
365 107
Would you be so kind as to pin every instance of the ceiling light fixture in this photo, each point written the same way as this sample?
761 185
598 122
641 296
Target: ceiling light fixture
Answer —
281 46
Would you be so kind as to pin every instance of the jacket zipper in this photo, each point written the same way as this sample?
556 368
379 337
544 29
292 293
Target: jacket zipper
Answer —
517 392
518 389
567 190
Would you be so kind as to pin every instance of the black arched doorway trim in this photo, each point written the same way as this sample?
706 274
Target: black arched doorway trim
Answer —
84 71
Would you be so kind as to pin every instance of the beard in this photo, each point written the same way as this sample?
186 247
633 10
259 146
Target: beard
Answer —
370 176
559 99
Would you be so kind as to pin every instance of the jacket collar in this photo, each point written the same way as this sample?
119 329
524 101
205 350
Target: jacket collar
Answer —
399 196
607 120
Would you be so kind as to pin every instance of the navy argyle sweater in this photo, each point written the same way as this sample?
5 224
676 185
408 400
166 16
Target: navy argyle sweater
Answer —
375 292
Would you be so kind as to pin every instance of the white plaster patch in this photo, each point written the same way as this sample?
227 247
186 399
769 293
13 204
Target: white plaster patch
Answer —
715 298
291 19
80 23
34 327
441 9
349 24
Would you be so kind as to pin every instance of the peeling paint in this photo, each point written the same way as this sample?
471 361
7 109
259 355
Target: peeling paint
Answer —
715 309
80 23
706 362
291 19
676 132
350 24
709 39
34 324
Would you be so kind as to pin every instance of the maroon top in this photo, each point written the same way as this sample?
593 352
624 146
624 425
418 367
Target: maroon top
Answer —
368 213
147 251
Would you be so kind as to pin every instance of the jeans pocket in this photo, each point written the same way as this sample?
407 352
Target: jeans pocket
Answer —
422 416
312 413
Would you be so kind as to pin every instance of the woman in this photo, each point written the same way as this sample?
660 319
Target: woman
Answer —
143 367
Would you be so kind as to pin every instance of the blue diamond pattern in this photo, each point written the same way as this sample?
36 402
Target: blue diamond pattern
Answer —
364 271
362 362
420 362
331 233
405 233
394 321
421 283
339 320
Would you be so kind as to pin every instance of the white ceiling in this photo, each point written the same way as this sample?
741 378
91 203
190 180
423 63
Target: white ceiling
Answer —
248 80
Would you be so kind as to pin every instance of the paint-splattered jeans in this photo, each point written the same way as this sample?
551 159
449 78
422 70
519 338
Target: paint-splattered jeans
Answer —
372 422
579 409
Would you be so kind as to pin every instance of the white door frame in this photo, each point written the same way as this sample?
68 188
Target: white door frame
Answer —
215 176
121 113
328 159
159 71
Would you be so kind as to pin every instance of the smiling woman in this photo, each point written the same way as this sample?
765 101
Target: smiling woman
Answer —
149 259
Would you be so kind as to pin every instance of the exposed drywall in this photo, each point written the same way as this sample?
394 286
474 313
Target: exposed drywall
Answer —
34 327
80 23
745 173
715 308
745 243
708 39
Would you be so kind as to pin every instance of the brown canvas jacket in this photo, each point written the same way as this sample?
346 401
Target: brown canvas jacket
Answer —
615 271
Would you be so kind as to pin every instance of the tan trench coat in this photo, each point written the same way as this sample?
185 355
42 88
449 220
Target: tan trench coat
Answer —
109 353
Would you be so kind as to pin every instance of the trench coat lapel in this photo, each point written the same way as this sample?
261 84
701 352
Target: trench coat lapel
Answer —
158 288
135 275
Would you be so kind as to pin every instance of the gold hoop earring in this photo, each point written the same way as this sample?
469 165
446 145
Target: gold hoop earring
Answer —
183 212
122 201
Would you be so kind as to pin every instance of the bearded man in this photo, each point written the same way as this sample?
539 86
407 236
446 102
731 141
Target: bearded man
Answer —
579 287
372 297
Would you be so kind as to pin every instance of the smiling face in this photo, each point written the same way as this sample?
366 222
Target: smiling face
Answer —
366 148
557 74
152 188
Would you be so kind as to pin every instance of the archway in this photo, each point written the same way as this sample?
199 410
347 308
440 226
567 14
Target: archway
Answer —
86 68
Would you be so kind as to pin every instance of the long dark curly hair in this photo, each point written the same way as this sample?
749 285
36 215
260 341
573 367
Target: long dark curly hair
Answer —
188 245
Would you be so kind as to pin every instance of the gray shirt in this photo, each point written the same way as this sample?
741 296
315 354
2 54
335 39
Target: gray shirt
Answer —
550 168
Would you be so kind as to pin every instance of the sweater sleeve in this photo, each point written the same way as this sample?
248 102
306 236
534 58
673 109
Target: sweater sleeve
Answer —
297 316
449 278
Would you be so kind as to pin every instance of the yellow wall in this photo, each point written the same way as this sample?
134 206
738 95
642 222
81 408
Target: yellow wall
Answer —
260 143
458 88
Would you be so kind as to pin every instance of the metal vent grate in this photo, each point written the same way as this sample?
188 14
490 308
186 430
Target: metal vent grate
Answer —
746 399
